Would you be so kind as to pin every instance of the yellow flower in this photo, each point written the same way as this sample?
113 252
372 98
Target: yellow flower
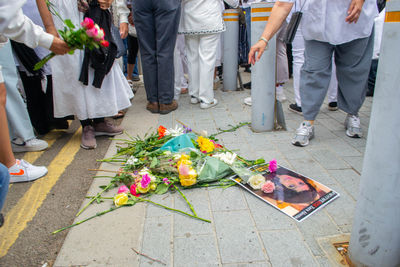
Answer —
153 186
185 159
120 199
141 189
188 178
205 144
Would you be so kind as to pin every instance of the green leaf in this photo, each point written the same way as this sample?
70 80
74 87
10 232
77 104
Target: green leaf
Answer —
69 23
153 163
259 161
161 188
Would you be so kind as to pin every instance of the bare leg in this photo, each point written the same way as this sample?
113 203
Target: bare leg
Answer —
6 154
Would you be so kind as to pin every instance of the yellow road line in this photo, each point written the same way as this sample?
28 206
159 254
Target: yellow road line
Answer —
24 211
50 138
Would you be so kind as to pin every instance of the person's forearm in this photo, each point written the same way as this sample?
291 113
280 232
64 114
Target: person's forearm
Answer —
278 15
46 17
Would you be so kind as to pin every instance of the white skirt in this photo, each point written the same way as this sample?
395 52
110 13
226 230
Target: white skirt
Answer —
71 97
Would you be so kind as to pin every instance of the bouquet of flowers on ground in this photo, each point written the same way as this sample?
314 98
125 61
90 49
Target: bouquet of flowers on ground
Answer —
174 160
90 35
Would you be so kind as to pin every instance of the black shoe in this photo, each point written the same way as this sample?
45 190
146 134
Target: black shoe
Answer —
247 85
1 219
332 106
247 69
295 108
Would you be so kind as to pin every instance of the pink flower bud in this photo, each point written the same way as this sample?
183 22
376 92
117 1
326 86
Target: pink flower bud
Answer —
272 166
87 23
268 187
123 189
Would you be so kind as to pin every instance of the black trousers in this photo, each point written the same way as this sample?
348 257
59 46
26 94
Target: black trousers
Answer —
156 23
133 48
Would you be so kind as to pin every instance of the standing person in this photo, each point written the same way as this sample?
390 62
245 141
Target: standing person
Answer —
180 65
201 23
133 49
342 28
156 23
97 96
16 26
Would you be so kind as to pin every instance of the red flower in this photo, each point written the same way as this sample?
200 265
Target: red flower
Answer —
133 190
104 43
161 131
87 23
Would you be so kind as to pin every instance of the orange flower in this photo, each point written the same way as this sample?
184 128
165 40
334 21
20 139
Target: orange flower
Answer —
161 131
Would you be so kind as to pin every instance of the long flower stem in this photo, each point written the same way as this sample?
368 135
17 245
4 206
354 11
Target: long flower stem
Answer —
187 201
85 220
41 63
168 208
94 198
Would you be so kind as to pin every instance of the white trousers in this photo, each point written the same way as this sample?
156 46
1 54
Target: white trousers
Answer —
298 60
201 52
180 66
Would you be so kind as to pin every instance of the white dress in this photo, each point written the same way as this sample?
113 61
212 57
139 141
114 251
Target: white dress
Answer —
71 97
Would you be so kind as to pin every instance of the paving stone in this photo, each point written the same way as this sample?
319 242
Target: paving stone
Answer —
349 180
251 264
227 199
324 262
331 124
267 217
355 162
342 209
315 226
237 237
329 160
287 248
195 250
292 152
184 225
342 148
155 211
156 241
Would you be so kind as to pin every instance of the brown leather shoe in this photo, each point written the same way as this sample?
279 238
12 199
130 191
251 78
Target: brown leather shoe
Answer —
167 108
153 107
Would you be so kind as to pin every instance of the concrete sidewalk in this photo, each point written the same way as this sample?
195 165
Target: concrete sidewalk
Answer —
244 230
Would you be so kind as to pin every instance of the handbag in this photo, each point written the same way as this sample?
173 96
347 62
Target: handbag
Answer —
291 28
293 25
118 41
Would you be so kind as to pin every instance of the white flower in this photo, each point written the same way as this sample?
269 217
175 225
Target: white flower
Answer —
256 181
167 153
204 133
132 160
226 157
174 131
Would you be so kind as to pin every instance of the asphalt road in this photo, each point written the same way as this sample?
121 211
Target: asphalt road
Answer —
34 210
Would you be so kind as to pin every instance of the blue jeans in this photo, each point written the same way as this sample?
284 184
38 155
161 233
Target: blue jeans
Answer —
4 181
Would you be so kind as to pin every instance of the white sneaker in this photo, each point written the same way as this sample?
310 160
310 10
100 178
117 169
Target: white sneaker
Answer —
353 126
204 105
194 100
303 134
247 101
23 171
280 95
33 144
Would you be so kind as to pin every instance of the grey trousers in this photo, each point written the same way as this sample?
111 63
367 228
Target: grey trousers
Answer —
353 61
19 123
156 23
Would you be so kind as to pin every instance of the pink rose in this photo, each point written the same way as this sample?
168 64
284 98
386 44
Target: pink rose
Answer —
133 190
272 166
268 187
184 170
92 32
123 189
166 181
87 23
145 180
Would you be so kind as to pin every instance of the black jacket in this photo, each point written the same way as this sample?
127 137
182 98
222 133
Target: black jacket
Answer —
100 59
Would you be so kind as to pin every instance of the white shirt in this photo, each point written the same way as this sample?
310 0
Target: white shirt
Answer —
16 26
249 2
324 20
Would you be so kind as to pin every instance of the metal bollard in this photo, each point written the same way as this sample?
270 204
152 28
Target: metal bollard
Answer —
231 40
262 73
375 237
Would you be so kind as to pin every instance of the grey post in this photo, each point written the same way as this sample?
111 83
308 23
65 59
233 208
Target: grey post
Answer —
375 238
262 73
231 40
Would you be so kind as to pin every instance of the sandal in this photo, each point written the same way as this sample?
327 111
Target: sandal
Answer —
119 115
